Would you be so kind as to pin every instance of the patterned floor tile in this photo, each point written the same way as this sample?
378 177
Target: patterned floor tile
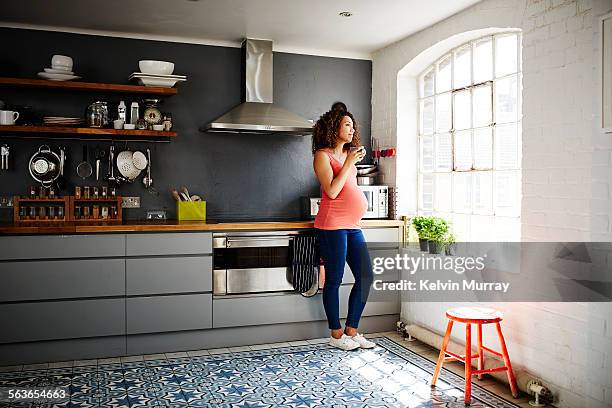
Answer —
300 375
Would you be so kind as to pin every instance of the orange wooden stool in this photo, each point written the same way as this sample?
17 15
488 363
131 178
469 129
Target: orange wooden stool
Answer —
478 316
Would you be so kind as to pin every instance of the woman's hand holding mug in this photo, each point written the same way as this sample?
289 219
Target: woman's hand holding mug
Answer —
355 154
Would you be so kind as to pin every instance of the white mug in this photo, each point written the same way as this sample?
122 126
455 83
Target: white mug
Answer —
8 117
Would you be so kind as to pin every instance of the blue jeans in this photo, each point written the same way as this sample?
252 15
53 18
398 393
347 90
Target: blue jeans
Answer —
338 247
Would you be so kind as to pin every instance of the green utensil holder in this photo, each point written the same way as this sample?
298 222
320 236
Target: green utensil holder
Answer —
191 210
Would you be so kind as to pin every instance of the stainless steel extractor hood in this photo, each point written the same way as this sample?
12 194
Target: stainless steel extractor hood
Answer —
257 113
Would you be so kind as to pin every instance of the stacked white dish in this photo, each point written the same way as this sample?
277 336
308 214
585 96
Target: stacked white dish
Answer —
61 69
157 73
61 121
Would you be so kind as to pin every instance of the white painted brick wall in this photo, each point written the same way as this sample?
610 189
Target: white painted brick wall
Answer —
566 180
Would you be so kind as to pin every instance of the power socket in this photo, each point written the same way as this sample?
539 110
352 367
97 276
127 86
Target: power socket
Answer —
130 202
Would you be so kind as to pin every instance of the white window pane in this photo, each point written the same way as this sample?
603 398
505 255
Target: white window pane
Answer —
462 110
463 150
427 116
507 195
443 76
483 192
506 147
426 192
507 229
483 148
444 152
442 196
463 67
462 192
427 83
443 113
482 228
483 60
482 97
506 101
506 55
427 154
461 227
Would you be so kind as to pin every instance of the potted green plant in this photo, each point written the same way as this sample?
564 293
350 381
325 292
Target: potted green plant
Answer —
421 225
437 230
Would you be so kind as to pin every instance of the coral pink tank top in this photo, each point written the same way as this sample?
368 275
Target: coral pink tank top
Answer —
346 210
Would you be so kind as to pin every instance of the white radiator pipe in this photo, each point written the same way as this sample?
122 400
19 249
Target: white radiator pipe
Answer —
525 381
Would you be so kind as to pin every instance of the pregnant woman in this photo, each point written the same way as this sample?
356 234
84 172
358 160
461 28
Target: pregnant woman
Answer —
336 149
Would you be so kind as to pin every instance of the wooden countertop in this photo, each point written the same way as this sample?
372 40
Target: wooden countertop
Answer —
167 226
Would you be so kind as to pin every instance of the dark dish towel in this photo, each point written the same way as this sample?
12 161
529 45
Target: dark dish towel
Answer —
305 263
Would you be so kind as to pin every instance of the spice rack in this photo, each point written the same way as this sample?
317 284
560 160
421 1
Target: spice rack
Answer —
41 209
92 209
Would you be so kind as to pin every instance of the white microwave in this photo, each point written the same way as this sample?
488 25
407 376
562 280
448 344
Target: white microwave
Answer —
376 196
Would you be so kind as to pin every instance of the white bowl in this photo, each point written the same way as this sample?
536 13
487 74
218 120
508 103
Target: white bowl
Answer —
158 127
61 62
156 67
129 126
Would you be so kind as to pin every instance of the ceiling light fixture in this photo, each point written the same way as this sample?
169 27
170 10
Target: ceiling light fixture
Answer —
345 14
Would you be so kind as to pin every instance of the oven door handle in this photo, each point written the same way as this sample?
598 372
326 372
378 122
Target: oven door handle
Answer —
257 242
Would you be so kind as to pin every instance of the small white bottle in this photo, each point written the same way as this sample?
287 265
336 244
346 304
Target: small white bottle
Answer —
134 113
121 111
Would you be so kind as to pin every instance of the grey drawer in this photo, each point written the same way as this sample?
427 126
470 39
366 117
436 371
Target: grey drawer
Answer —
62 320
61 246
150 276
289 308
186 243
248 311
78 278
382 234
156 314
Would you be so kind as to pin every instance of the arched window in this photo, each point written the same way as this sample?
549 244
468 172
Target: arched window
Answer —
469 138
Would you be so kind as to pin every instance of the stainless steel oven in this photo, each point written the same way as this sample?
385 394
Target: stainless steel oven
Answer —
252 262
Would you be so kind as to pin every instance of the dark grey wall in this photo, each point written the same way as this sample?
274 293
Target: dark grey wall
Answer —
240 176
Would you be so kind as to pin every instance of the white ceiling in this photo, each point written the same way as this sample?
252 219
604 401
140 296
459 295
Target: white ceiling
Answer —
299 26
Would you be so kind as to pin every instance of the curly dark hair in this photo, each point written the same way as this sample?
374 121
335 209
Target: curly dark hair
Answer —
325 131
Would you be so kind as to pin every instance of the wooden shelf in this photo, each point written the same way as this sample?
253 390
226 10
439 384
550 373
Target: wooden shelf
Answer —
88 86
102 200
83 131
42 200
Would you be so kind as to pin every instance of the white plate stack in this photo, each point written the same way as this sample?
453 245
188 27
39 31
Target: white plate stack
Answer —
156 73
61 69
61 121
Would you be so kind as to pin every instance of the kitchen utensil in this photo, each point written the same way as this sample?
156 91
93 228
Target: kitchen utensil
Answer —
97 169
111 164
186 193
139 160
176 195
147 180
363 169
125 164
367 180
156 67
58 71
84 169
4 153
196 198
44 166
184 197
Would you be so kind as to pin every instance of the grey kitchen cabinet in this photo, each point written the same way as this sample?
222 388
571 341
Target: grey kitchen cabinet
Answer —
25 322
288 308
61 279
382 235
163 275
60 246
180 243
156 314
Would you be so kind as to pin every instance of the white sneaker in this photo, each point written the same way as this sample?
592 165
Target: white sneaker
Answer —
345 343
363 342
